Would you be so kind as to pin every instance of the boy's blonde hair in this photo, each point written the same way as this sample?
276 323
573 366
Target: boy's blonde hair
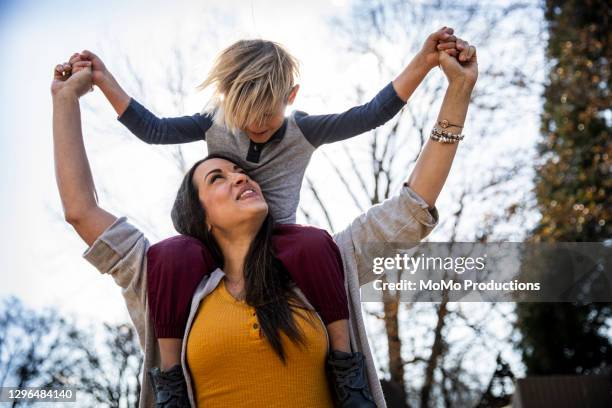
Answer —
250 79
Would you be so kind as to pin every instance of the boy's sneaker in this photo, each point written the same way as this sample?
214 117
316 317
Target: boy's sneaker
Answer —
349 382
169 387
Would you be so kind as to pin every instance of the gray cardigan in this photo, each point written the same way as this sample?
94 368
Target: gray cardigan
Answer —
121 252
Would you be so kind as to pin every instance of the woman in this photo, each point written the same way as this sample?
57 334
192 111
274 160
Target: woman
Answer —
118 248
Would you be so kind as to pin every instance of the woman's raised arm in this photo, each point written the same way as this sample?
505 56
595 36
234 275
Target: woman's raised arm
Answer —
434 162
410 216
72 171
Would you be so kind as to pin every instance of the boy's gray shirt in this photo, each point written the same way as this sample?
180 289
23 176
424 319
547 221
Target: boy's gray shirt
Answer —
121 252
279 172
278 165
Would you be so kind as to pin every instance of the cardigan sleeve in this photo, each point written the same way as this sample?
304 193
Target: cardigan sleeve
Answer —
404 218
120 251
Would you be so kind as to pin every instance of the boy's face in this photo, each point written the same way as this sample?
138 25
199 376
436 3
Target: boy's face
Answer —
273 121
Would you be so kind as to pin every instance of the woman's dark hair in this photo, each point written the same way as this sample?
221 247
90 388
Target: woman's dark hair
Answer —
267 282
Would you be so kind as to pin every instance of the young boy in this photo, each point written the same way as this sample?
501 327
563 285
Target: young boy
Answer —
254 82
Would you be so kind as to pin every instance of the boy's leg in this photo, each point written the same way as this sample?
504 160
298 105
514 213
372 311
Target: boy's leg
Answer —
175 267
169 352
313 260
338 335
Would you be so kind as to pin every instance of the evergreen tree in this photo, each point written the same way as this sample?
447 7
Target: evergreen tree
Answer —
573 183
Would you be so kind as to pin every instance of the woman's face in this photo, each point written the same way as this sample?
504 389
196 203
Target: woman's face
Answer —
230 198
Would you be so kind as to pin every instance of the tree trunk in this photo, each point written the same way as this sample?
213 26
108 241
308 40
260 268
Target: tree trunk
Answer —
396 363
436 351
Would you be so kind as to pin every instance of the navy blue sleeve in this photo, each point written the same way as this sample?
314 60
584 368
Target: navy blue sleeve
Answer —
322 129
153 130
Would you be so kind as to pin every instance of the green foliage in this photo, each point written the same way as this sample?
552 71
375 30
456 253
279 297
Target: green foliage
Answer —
573 183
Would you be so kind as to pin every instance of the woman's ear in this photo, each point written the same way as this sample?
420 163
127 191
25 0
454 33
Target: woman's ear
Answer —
293 94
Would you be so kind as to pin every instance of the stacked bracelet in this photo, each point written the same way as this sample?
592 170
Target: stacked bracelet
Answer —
445 123
444 136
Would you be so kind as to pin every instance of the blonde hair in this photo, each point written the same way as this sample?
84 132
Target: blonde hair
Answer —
250 79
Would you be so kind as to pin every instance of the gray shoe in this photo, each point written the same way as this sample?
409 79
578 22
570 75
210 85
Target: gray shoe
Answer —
169 387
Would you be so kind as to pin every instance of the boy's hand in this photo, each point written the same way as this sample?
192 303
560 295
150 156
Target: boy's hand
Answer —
98 69
101 77
429 51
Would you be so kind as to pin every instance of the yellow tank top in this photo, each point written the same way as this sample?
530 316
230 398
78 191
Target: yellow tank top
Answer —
233 365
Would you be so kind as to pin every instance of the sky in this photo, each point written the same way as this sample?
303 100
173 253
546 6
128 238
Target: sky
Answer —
38 249
40 254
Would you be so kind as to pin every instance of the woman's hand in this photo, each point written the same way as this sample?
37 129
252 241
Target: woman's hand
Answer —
72 78
460 65
429 51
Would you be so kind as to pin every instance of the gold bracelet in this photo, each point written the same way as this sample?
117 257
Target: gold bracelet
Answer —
445 123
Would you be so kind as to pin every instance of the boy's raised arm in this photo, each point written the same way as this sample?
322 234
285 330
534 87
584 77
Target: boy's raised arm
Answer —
117 97
425 60
322 129
139 120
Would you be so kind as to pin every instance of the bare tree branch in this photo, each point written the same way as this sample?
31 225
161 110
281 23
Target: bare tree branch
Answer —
317 198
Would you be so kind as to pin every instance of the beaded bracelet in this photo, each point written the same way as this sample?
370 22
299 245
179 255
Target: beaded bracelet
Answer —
444 136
